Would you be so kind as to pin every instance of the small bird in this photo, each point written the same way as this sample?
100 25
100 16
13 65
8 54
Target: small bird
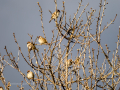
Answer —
42 40
31 46
69 62
30 75
1 88
55 15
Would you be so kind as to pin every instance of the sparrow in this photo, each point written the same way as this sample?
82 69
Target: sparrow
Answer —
31 46
69 62
42 40
30 75
1 88
55 15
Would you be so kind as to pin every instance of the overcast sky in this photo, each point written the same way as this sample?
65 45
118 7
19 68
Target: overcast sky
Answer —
22 17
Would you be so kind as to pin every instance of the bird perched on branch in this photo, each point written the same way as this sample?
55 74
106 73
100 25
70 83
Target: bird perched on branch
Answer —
69 62
42 40
55 15
30 75
31 46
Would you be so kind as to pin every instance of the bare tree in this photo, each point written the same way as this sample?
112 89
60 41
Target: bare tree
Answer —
56 67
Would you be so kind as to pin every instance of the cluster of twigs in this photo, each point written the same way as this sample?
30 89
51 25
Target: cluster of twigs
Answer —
51 67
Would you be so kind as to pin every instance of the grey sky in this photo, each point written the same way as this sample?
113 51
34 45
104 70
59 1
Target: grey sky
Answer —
22 17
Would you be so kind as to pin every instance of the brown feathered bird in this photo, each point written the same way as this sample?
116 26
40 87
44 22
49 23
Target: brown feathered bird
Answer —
55 15
42 40
31 46
30 75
